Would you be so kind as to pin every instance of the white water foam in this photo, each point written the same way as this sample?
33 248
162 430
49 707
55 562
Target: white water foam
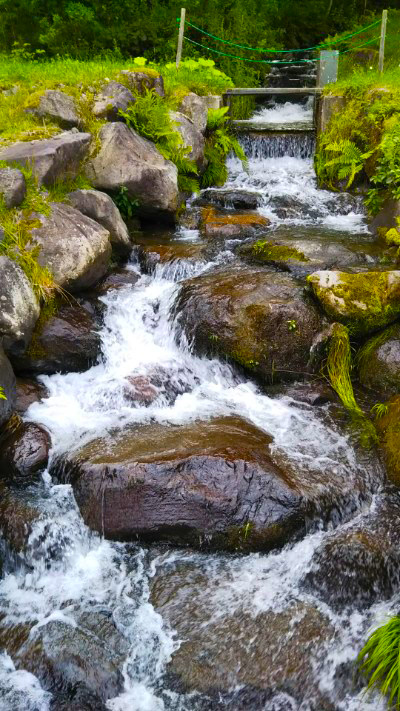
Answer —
287 113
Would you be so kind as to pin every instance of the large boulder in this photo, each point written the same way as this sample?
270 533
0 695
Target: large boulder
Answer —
114 97
191 136
7 383
260 319
65 340
19 510
101 208
379 363
54 159
364 302
127 160
196 109
142 81
59 108
75 248
12 187
215 484
19 307
24 452
237 199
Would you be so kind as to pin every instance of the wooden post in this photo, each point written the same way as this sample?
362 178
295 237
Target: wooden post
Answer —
180 37
383 38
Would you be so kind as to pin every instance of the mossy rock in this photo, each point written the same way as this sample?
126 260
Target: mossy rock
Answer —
264 252
364 302
388 427
379 362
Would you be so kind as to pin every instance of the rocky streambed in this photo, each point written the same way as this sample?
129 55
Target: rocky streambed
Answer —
188 521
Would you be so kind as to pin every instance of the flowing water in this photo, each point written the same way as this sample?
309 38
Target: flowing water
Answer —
237 625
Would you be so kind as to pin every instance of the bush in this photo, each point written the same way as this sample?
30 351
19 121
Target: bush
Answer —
219 143
379 660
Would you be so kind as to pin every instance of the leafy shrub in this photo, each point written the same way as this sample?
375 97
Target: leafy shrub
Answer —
198 75
219 143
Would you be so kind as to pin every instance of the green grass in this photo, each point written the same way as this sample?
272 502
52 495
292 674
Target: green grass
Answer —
379 661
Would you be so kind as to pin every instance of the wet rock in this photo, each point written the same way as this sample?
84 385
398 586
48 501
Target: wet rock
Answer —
18 512
117 279
209 484
196 109
359 565
28 391
300 256
152 255
379 363
139 389
388 427
54 159
387 216
191 136
364 302
24 452
7 383
230 226
101 208
75 248
64 657
315 393
12 187
261 320
19 307
216 640
59 108
65 340
142 81
237 199
114 97
126 159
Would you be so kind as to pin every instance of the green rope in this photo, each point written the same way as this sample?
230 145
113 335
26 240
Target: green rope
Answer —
273 61
278 51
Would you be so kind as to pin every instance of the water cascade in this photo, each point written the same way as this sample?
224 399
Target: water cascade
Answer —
126 627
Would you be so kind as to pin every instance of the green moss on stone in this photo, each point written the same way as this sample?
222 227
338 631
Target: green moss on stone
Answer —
264 251
35 349
389 429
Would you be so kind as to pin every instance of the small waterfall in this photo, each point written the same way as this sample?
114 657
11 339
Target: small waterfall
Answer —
277 145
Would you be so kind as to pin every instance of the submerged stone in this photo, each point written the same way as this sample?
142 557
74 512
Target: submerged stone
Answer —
232 225
364 302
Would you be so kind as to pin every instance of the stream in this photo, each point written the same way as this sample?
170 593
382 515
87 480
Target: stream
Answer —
175 629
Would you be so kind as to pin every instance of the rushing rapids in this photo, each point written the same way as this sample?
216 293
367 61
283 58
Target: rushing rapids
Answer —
123 627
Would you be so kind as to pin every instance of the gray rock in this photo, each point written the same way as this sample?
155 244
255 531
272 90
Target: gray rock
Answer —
101 208
7 382
213 101
238 199
58 107
126 159
141 81
12 187
56 158
24 452
196 108
191 136
19 307
113 97
75 248
379 364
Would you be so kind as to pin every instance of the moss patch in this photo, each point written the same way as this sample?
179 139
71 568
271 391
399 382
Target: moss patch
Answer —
364 302
266 252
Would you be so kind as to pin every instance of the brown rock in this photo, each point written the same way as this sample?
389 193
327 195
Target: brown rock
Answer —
24 452
28 391
236 225
260 319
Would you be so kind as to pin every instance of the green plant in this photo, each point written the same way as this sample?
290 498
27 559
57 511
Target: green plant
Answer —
379 410
2 395
345 160
379 660
125 204
292 324
219 143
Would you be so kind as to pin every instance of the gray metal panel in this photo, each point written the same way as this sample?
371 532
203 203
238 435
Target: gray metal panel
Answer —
328 67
